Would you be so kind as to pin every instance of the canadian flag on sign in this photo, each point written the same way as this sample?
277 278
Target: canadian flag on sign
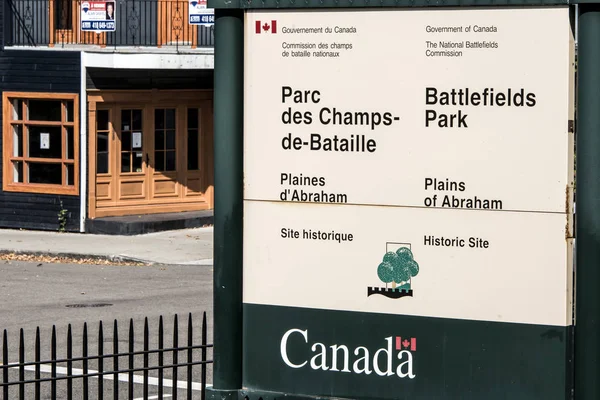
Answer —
266 27
406 343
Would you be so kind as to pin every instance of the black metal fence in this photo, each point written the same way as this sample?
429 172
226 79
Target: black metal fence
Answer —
138 23
24 379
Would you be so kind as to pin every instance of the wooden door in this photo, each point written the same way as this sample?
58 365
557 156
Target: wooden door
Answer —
197 161
170 170
166 172
174 26
104 156
132 155
180 169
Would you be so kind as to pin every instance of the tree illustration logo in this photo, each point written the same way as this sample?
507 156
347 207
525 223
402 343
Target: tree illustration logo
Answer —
396 270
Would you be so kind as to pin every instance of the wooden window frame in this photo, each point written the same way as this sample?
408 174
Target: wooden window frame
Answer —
8 185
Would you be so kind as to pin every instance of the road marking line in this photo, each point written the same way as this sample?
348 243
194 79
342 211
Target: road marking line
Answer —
123 377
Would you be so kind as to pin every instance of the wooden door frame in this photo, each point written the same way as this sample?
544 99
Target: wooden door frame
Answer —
74 33
149 98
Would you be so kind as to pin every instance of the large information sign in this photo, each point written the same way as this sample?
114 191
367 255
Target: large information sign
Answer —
407 201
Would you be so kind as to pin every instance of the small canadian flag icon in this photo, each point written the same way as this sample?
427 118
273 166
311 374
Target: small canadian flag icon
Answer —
266 27
406 343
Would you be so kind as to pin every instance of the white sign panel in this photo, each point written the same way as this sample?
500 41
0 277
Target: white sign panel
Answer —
136 140
44 141
414 162
98 16
200 14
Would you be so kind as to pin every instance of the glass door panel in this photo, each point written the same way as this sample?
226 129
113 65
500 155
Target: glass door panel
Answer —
132 152
102 141
165 140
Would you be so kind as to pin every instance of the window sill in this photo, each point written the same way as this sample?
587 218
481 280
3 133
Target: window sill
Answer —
41 189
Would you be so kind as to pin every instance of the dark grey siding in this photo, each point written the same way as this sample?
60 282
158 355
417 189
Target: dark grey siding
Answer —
29 22
206 36
38 71
2 24
140 79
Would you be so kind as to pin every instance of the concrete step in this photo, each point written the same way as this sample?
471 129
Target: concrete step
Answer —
148 223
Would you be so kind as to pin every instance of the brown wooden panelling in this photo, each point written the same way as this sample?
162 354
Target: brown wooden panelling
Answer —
103 190
173 28
132 189
165 188
194 186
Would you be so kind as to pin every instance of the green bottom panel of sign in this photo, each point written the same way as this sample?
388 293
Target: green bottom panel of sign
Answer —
359 355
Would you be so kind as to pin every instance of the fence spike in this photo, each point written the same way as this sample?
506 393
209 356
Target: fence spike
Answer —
175 354
160 358
37 356
21 367
4 363
131 341
189 357
146 334
100 361
69 363
84 355
53 362
115 361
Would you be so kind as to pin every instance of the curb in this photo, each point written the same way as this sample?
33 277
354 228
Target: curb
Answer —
104 257
114 258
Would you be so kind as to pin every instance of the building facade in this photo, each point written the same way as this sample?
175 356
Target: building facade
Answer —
111 122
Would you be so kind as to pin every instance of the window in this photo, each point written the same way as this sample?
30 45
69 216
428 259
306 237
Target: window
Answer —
63 14
131 143
102 145
41 144
193 138
164 139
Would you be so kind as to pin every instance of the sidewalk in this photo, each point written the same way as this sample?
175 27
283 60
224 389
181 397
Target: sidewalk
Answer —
186 246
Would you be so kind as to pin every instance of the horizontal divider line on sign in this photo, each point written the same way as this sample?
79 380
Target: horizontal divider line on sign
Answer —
402 206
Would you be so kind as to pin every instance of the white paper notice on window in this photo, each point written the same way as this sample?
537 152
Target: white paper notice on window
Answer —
137 140
44 141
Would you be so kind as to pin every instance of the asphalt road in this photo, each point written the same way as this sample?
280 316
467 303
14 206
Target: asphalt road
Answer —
46 295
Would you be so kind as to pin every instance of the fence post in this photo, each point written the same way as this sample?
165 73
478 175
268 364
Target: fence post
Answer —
4 363
587 323
175 354
228 214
